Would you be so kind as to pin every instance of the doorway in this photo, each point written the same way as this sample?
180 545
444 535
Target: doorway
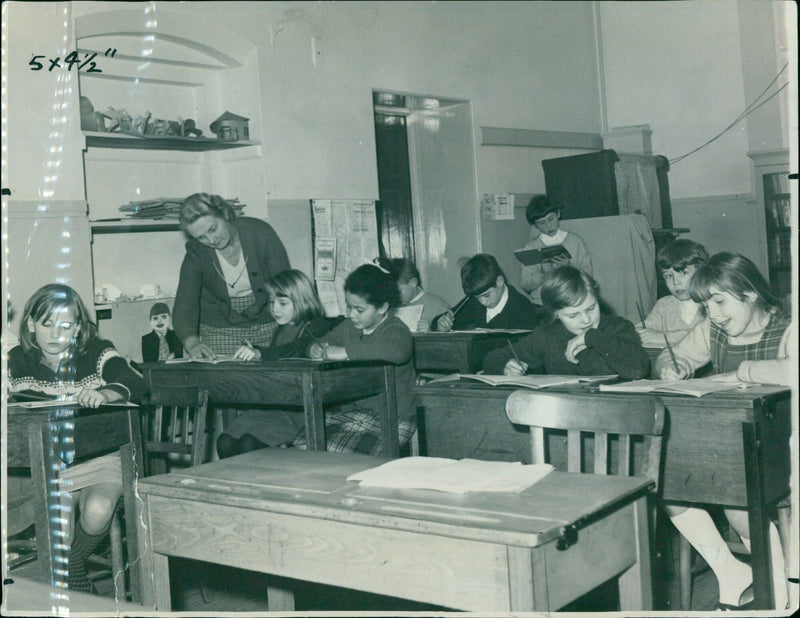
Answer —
428 207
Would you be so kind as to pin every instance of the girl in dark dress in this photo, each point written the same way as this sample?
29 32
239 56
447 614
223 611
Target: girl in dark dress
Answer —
60 355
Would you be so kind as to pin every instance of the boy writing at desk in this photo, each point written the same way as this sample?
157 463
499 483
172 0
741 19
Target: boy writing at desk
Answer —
489 303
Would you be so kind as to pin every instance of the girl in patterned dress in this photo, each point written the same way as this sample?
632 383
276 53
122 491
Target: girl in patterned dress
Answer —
369 333
60 355
746 338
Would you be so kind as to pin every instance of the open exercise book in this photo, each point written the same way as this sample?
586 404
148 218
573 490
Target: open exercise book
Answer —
217 360
531 381
696 387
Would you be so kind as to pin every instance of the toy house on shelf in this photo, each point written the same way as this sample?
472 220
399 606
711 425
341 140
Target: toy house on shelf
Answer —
231 127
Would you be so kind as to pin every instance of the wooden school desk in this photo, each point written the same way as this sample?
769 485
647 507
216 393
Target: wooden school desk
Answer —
293 514
458 351
729 448
304 383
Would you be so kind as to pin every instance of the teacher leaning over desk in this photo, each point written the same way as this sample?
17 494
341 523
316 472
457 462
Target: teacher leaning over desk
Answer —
221 299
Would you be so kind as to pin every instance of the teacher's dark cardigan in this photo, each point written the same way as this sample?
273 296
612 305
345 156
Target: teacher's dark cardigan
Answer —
202 295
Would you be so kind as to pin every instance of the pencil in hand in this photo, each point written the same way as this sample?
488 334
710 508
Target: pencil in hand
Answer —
641 312
672 355
460 305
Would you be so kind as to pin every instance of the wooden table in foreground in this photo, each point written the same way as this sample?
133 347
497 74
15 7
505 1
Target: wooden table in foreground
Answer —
458 351
294 514
298 382
729 448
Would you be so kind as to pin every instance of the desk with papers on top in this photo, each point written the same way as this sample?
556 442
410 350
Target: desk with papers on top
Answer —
294 514
729 448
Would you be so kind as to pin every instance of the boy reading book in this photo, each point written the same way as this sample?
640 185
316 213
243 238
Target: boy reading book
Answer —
544 217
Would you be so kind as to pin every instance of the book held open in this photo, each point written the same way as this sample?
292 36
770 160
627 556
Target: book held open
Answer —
531 257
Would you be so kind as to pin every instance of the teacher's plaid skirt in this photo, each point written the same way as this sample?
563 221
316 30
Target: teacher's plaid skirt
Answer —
226 340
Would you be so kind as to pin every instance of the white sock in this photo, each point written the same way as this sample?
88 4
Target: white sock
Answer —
700 530
779 582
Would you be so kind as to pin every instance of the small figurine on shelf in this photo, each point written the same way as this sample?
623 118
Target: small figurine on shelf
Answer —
122 121
189 128
90 119
231 127
161 343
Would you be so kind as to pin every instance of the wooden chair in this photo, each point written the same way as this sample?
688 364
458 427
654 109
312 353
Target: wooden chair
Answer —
626 418
623 416
78 434
175 424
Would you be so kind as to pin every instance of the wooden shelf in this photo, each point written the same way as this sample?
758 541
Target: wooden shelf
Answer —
160 142
134 225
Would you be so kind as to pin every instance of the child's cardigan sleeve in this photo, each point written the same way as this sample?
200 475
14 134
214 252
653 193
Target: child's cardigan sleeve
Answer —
526 350
618 343
391 342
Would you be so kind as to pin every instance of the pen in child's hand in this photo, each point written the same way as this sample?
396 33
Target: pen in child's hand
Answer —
672 356
641 312
308 330
460 306
513 351
248 344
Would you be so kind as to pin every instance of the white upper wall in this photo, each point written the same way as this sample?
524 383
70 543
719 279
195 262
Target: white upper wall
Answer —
688 69
526 65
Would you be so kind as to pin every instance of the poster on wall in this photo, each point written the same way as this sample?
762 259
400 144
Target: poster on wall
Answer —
346 236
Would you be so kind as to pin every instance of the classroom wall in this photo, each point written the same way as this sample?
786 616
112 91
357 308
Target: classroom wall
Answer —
522 65
688 70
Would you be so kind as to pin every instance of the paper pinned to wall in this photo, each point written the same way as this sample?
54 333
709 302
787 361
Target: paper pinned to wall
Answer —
499 206
353 228
325 259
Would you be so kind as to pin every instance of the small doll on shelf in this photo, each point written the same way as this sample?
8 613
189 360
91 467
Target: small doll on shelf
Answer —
161 343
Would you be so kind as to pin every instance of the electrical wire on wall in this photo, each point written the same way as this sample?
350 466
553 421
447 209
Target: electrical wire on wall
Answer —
756 103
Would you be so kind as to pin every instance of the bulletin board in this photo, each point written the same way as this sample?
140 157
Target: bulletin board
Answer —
345 237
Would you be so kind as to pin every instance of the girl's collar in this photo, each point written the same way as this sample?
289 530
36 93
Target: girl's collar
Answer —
369 331
417 296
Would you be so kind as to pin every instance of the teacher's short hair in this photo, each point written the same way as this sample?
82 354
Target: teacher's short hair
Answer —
205 204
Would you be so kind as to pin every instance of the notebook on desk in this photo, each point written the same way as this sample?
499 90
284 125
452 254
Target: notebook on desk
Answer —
530 381
696 387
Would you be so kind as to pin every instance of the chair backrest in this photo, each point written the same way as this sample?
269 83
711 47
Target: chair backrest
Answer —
175 423
627 417
72 435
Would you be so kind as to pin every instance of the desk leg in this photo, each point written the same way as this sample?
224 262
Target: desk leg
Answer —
636 584
757 519
313 410
527 579
391 448
153 568
280 599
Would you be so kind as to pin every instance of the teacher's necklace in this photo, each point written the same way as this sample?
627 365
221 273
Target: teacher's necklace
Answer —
232 285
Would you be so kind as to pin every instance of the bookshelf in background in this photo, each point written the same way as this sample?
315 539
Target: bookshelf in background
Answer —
773 192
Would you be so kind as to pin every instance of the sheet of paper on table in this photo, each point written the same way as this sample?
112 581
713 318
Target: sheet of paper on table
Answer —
457 476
